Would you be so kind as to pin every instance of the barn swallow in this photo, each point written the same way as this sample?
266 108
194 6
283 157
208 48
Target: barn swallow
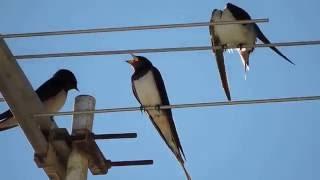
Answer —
235 35
52 93
149 89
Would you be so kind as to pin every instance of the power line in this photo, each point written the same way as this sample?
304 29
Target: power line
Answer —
158 50
131 28
194 105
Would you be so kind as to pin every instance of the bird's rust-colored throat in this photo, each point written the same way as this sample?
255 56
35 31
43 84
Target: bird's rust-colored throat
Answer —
133 62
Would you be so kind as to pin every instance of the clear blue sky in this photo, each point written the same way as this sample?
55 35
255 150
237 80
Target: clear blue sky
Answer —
265 142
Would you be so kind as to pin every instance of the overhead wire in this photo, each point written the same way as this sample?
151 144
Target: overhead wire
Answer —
158 50
130 28
192 105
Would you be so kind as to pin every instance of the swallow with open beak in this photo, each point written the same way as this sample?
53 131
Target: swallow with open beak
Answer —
148 88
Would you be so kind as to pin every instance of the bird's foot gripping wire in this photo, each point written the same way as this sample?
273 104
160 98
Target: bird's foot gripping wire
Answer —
51 118
157 107
240 46
142 109
224 47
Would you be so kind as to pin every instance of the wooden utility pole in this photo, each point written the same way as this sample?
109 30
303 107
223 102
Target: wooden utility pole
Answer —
61 155
77 168
24 103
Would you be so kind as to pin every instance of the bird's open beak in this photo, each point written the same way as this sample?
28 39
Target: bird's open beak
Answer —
129 61
133 58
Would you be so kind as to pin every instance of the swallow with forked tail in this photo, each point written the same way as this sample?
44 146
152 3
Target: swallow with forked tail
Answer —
235 35
148 88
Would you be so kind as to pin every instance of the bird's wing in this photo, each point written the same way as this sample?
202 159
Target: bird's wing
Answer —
237 12
48 89
220 61
5 115
165 101
241 14
168 117
222 72
265 40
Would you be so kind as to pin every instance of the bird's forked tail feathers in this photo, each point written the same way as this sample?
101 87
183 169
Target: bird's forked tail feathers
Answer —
184 168
181 161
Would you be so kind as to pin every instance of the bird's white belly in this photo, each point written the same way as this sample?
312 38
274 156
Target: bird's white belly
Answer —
55 103
233 34
147 90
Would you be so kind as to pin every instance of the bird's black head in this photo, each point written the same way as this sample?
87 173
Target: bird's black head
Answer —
67 79
139 63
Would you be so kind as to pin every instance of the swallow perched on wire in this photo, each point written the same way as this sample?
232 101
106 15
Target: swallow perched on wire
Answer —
148 88
52 93
235 35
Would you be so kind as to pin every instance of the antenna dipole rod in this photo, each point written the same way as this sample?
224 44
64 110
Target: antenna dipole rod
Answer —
132 163
115 136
